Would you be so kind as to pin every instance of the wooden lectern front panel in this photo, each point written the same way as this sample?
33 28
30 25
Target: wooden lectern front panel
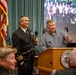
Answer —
45 59
51 58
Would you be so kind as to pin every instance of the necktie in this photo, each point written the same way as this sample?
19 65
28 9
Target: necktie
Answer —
27 32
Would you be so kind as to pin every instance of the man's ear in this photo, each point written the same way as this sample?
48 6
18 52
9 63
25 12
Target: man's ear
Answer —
68 61
1 61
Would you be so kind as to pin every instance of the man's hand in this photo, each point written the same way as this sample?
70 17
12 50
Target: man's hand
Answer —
69 38
36 40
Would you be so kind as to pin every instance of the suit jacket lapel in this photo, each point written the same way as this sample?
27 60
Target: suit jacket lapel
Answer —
21 32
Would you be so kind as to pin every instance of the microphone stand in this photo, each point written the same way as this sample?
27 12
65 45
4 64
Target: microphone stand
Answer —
32 49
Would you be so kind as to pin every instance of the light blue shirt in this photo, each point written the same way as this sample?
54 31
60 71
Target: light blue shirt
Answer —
51 40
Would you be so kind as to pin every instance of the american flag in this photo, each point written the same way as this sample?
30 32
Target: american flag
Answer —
3 20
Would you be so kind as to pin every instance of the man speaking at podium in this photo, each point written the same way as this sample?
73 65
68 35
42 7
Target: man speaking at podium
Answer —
53 37
24 40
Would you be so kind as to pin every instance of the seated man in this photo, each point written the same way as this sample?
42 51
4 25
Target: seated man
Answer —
72 65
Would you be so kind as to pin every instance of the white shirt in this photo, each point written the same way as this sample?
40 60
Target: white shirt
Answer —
23 29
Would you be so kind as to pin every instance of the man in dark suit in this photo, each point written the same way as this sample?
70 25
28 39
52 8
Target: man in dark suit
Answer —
23 39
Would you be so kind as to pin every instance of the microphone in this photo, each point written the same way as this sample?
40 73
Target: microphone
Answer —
66 30
36 33
66 34
36 38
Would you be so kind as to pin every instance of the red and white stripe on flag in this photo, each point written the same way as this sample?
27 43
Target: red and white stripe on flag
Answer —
4 20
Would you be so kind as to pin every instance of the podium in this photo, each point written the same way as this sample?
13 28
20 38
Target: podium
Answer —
50 60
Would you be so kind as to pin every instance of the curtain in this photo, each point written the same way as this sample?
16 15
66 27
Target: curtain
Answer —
34 9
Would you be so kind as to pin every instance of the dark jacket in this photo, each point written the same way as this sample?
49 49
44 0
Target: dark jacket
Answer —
22 41
3 71
68 71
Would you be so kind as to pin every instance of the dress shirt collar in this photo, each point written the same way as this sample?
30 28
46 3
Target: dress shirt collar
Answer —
23 29
53 32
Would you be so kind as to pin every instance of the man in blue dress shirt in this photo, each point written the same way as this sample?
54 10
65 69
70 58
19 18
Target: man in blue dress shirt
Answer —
53 37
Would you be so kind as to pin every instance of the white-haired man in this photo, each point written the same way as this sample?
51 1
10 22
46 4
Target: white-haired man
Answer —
72 65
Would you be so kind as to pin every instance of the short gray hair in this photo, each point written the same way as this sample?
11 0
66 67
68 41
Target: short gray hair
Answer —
6 50
49 21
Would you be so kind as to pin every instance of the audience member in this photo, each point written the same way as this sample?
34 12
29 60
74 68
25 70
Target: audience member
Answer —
7 60
72 65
